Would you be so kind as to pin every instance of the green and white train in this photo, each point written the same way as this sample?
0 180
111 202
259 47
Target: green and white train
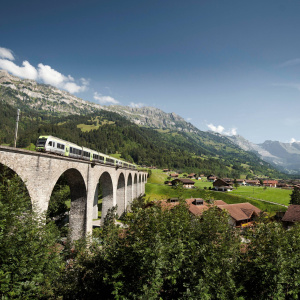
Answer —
52 144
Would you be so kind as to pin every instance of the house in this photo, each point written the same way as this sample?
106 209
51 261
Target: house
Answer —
240 213
241 181
221 185
174 175
270 183
166 170
252 182
292 215
192 176
211 178
197 205
187 183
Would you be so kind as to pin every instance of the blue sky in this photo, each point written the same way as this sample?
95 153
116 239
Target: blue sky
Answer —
229 66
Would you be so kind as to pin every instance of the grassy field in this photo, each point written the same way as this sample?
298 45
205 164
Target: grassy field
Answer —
157 190
158 176
270 194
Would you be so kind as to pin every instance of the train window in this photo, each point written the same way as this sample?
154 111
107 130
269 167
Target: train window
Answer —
41 142
53 144
60 146
50 143
101 158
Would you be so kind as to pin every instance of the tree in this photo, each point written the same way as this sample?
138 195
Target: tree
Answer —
235 183
29 253
295 196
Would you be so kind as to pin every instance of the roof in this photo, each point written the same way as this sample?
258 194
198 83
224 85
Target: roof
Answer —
292 214
184 180
241 211
270 181
220 182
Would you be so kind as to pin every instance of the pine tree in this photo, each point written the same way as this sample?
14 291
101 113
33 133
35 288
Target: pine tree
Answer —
295 196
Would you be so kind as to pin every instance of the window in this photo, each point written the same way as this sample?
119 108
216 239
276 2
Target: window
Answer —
110 161
60 146
41 142
50 143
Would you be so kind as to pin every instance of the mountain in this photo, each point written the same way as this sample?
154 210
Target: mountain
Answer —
188 147
28 94
283 156
153 118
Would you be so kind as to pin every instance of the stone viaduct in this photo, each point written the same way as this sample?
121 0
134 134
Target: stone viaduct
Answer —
40 172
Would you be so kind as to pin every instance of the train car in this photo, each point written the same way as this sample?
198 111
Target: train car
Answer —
74 150
49 143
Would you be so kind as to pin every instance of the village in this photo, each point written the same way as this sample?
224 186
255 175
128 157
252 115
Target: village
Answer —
241 215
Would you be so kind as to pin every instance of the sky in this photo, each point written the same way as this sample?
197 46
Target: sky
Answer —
228 66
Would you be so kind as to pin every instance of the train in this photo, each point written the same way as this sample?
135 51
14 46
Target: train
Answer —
52 144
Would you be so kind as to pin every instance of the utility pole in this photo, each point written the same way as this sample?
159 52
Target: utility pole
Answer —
17 123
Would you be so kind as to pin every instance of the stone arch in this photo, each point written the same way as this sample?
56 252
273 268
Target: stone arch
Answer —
121 194
78 193
106 185
11 173
129 196
134 190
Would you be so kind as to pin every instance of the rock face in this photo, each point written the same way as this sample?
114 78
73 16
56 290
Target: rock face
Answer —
29 93
152 117
284 156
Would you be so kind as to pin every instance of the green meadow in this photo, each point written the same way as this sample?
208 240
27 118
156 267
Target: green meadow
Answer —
157 190
280 196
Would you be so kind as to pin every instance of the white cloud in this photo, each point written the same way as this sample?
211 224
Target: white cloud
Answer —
220 129
291 62
6 53
294 141
51 76
43 73
214 128
105 99
233 131
189 119
27 71
136 105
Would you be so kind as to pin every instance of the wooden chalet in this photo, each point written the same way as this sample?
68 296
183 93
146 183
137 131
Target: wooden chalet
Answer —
187 183
174 175
270 183
252 182
192 176
241 213
211 178
292 215
221 185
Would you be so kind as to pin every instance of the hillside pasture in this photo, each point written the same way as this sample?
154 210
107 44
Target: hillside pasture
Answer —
277 195
156 191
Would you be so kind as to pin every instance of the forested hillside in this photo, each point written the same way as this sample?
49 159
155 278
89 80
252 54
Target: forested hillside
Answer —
110 133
